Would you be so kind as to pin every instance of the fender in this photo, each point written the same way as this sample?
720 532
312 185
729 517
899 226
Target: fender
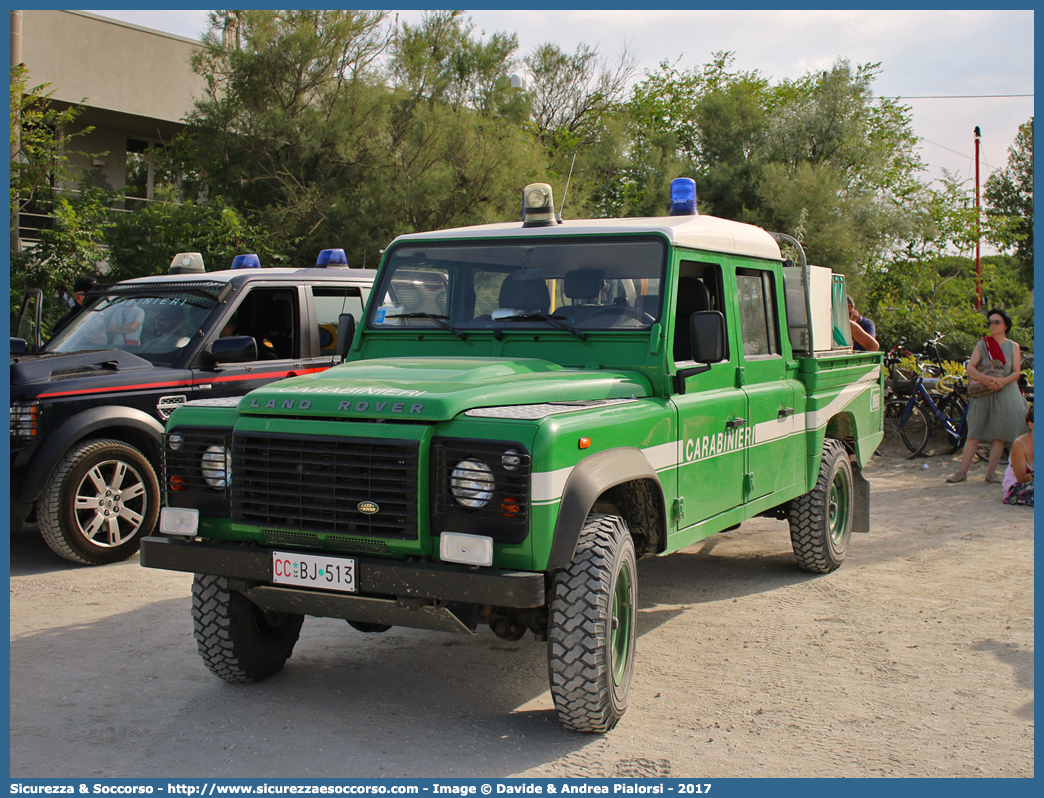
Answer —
80 426
592 477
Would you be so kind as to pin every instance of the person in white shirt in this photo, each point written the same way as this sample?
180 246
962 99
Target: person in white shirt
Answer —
125 323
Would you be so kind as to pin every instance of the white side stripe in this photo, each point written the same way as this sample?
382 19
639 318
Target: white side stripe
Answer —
548 486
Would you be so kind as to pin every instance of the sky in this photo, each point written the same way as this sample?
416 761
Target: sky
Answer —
955 69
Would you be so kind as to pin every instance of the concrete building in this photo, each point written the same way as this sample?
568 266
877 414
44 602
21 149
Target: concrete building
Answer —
136 86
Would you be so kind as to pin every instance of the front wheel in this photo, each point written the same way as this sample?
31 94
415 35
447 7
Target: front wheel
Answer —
239 641
591 627
949 436
821 520
99 501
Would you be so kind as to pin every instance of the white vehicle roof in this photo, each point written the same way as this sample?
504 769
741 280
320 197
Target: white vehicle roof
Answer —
698 232
227 275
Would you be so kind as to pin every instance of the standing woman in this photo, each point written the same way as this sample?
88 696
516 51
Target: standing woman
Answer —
999 416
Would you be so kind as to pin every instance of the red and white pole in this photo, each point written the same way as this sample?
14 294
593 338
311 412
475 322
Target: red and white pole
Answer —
978 260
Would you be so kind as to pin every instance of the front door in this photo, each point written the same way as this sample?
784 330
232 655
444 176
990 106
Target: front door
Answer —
272 317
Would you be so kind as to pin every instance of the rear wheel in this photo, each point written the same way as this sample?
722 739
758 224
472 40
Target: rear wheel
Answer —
591 628
910 438
239 641
821 520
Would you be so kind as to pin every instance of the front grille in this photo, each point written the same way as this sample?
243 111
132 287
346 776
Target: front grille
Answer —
317 484
313 540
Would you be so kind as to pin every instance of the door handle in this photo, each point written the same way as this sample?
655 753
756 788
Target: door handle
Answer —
786 411
736 422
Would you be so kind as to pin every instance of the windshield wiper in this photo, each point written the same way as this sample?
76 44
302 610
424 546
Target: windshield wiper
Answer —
555 320
437 319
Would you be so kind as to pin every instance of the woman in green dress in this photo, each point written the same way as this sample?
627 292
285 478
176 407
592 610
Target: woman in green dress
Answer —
998 416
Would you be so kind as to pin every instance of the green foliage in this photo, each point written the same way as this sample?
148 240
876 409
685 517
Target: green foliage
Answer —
291 124
914 299
1009 195
39 145
819 157
440 61
71 246
578 115
72 243
144 242
457 154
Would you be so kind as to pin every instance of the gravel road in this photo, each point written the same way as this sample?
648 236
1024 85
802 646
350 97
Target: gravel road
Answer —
914 659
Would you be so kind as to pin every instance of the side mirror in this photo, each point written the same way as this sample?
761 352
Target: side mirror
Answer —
234 349
707 328
345 334
19 346
707 331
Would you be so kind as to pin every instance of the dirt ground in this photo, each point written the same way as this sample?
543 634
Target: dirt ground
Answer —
913 659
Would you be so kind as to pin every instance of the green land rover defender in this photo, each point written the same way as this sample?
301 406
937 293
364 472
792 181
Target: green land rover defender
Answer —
524 410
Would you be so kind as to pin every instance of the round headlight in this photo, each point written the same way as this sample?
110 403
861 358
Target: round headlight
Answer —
175 441
217 467
472 483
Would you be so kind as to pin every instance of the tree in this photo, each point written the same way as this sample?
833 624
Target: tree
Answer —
1009 193
457 151
39 144
578 114
819 157
915 298
845 162
71 241
717 119
291 127
142 243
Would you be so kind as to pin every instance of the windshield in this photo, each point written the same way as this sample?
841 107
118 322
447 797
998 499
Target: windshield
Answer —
156 327
574 285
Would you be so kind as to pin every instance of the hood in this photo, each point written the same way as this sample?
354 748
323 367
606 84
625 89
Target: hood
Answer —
51 366
436 389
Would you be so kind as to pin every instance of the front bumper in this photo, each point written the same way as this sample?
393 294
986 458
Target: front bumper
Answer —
416 594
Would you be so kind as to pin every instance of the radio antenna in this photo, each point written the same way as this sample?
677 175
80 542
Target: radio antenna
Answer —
558 217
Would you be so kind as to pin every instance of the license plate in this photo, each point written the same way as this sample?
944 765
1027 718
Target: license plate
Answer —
311 570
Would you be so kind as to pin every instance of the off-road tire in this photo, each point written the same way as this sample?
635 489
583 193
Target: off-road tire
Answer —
821 520
237 640
98 502
591 627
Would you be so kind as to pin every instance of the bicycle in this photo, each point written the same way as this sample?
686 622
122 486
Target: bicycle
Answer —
917 425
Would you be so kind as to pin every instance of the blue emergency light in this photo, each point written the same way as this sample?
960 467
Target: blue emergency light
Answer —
246 262
331 257
683 197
